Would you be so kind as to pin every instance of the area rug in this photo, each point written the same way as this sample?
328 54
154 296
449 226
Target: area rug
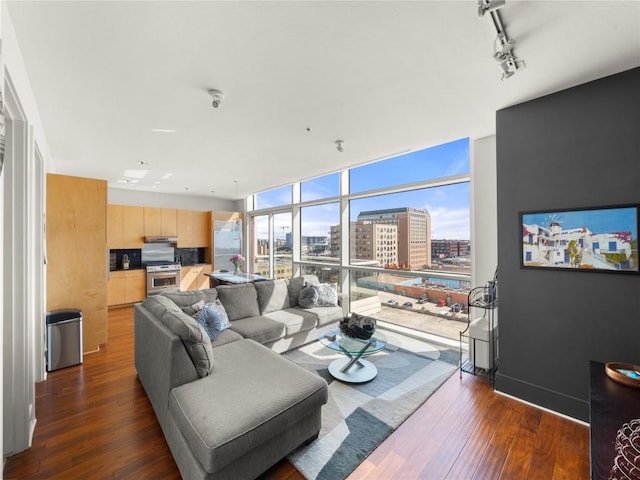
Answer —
358 417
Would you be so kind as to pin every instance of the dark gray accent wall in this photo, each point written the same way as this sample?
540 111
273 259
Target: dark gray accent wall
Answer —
576 148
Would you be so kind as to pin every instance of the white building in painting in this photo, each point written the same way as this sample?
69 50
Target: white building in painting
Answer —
576 247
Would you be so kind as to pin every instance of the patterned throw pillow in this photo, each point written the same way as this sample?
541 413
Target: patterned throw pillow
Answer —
327 295
213 318
308 297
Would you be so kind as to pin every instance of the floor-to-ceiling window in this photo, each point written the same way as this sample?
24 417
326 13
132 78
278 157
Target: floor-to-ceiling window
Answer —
403 247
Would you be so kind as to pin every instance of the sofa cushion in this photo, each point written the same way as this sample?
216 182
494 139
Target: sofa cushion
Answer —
294 319
190 297
272 295
240 301
225 336
259 328
324 315
298 283
194 337
251 396
213 318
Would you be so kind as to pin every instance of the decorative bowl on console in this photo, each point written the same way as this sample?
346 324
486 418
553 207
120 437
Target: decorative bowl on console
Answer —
624 373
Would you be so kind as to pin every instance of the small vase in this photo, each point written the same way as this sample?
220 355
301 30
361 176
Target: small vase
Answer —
236 268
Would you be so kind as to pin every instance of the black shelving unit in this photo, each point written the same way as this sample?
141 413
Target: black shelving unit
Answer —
485 299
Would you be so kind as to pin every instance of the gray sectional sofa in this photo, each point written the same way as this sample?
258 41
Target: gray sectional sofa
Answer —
232 407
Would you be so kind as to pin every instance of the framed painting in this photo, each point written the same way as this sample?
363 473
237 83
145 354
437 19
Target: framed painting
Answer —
594 239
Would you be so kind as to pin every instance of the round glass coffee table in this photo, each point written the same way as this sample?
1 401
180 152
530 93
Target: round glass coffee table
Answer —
353 368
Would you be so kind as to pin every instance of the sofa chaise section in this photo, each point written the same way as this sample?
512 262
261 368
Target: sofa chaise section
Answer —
252 398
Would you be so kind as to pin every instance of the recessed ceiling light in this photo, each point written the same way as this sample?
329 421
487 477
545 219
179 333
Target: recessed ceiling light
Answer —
163 130
142 162
135 173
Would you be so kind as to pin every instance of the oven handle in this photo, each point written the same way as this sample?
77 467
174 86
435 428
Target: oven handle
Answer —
164 274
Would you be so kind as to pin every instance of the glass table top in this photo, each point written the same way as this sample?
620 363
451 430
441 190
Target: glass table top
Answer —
335 340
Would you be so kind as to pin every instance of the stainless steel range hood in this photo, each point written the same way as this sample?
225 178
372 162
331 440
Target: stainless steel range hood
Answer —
160 239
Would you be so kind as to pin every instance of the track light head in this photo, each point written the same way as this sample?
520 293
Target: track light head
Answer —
217 96
503 47
485 6
339 146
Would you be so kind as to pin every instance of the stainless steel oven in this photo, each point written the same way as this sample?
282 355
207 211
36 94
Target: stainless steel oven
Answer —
162 277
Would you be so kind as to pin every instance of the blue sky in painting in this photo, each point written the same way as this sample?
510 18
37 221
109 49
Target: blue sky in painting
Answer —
607 220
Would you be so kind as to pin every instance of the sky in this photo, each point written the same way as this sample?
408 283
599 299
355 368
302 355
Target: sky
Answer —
449 206
607 220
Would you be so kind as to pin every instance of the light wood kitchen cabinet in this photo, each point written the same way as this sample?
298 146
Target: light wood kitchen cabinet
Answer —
160 221
169 222
185 229
128 286
125 226
133 227
202 280
192 277
115 288
193 229
135 286
202 233
115 221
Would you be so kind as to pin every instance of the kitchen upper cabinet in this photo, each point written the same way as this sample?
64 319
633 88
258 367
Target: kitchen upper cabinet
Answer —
193 229
160 221
115 221
202 229
125 226
133 227
169 222
185 229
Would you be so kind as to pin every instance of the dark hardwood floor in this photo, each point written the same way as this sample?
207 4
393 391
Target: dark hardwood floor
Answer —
94 422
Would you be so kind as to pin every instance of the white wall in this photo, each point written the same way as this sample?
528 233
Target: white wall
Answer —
121 196
484 218
22 306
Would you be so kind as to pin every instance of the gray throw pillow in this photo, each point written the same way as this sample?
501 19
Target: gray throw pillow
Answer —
308 297
213 318
193 309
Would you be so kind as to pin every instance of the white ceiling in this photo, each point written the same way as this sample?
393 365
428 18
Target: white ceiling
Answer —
384 76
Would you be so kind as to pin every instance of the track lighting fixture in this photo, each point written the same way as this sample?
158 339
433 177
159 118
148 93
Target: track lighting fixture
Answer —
217 96
503 49
339 146
485 6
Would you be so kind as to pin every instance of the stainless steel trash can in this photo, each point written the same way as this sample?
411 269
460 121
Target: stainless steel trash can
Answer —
64 338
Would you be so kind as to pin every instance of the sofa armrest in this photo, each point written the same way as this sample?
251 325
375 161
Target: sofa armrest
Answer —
161 359
343 301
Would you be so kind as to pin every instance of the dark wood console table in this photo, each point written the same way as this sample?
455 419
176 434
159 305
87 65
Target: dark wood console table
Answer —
611 404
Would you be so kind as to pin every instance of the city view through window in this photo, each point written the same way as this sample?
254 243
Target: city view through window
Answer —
405 250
